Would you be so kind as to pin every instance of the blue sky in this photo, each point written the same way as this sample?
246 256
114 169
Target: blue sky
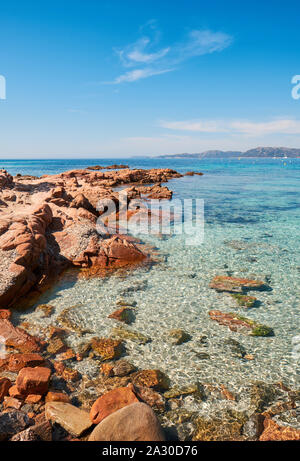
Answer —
121 78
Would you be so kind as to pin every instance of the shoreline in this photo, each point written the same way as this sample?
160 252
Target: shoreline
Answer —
28 388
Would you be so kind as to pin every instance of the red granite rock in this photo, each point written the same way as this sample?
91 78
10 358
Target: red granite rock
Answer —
111 402
33 380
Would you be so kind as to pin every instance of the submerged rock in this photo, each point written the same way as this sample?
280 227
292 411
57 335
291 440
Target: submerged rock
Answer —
178 336
275 432
236 285
236 348
151 378
129 334
244 300
241 324
119 368
192 389
262 395
124 314
135 422
107 348
224 427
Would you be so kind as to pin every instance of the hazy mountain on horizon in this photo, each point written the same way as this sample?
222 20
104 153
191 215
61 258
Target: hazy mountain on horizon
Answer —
277 152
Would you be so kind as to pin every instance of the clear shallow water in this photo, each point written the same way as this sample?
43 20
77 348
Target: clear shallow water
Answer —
251 230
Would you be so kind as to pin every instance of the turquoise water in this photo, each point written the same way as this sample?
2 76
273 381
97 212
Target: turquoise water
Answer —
251 230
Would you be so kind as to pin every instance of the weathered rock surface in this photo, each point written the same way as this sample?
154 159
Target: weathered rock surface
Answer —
18 361
72 419
18 338
241 324
135 422
233 284
33 380
111 402
49 223
107 348
275 432
5 385
12 422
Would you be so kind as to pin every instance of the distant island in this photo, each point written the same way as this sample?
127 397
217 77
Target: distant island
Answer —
267 152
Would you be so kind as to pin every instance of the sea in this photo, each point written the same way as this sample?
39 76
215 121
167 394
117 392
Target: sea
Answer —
251 230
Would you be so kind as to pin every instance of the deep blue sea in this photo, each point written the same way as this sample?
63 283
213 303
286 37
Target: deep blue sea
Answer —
252 229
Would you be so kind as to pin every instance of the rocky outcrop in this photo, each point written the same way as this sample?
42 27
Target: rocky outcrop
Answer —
50 223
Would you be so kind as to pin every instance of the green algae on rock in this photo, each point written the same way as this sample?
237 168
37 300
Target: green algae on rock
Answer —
241 324
244 300
121 332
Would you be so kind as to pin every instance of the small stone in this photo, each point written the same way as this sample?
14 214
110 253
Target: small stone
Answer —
111 402
124 314
107 369
69 374
135 422
151 398
57 397
11 402
68 355
193 389
151 378
46 309
72 419
56 346
18 361
123 368
33 380
33 398
178 336
121 332
107 348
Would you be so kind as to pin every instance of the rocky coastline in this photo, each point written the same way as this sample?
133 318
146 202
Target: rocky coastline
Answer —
48 225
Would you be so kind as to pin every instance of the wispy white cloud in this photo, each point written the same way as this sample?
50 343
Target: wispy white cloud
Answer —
149 58
137 74
245 127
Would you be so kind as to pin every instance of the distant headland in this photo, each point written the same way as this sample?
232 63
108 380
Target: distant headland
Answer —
266 152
